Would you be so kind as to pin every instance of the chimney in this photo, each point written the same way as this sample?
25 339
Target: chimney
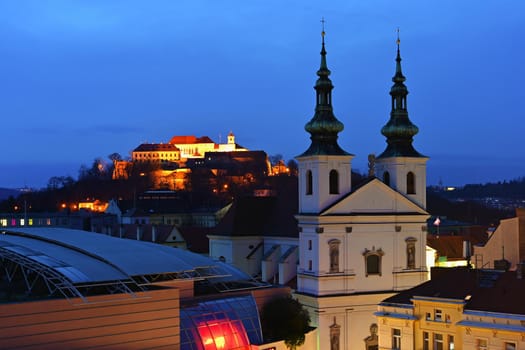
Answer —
467 251
139 228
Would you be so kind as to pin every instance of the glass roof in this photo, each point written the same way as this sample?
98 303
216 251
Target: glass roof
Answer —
226 323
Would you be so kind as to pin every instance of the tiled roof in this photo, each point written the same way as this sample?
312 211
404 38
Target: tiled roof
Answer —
264 216
489 290
196 239
151 147
190 139
449 246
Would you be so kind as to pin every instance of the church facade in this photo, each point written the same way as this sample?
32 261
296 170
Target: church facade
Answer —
358 245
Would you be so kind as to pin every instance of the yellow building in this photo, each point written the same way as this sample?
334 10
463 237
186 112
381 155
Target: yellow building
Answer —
195 147
156 153
458 309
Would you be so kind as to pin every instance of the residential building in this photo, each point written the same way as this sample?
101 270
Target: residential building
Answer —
258 234
505 245
156 153
460 309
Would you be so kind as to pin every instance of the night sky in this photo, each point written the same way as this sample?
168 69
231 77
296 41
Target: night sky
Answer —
84 79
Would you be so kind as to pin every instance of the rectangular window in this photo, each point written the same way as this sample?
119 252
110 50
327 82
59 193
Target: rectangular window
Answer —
396 339
481 344
428 316
309 244
438 315
438 341
310 265
510 346
426 341
450 342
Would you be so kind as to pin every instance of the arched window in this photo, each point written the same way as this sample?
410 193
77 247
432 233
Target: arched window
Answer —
309 182
386 178
334 182
411 183
373 261
333 245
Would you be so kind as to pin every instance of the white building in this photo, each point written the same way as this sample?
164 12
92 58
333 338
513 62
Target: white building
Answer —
358 245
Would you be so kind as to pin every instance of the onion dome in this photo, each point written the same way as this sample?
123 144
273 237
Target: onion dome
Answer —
399 130
324 126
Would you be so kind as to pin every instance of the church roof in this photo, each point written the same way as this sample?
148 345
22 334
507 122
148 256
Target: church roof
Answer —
356 202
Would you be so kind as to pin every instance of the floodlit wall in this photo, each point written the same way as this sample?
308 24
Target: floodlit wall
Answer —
118 321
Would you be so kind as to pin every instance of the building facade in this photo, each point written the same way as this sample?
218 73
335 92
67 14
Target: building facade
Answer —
460 309
358 245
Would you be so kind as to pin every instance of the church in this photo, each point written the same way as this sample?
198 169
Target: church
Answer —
358 245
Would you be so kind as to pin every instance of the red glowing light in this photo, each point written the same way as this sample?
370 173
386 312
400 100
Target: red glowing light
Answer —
223 334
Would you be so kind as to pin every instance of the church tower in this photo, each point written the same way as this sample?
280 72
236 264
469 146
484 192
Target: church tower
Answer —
358 245
400 166
324 168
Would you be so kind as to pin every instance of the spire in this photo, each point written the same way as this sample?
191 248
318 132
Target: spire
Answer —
399 130
324 126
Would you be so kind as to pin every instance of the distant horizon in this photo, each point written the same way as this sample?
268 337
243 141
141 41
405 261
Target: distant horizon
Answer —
444 169
83 80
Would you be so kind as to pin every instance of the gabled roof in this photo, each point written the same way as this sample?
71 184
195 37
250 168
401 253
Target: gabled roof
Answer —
374 197
196 239
449 246
488 290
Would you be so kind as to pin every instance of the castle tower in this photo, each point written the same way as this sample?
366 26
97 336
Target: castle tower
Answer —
231 138
400 166
324 168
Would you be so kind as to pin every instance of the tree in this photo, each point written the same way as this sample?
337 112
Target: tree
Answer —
275 159
292 167
285 319
115 157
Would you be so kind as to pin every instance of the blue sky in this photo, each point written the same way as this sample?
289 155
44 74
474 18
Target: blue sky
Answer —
83 79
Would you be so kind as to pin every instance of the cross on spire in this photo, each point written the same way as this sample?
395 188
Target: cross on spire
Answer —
322 24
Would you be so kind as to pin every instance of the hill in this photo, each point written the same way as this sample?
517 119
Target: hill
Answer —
8 192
